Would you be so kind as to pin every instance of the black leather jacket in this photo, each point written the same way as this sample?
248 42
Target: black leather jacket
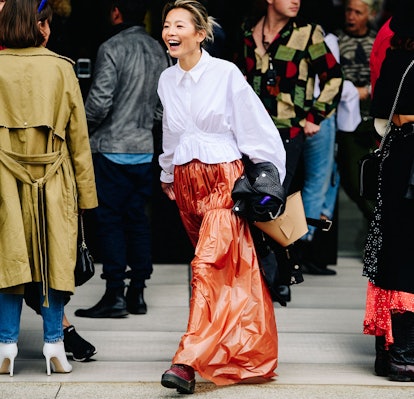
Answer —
258 194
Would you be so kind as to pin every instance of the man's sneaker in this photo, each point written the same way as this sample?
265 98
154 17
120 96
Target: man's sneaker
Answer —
181 377
75 345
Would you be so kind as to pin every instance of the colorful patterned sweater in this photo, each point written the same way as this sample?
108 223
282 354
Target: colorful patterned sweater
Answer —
284 77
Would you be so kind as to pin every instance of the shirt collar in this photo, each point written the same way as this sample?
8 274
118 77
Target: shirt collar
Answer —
195 72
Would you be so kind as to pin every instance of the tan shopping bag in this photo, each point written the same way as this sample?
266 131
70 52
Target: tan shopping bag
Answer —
290 225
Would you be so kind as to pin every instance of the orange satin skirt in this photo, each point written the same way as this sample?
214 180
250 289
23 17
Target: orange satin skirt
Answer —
231 334
380 304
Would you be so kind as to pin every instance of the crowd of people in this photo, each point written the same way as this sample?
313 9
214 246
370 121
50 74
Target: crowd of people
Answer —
295 92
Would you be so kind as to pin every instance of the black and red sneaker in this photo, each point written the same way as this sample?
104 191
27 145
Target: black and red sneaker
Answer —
181 377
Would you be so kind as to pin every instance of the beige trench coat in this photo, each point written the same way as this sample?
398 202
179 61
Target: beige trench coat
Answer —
46 170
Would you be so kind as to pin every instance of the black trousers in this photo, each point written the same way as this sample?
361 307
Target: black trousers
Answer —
294 149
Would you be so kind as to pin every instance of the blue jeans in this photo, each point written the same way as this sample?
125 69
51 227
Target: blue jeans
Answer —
320 186
123 226
11 309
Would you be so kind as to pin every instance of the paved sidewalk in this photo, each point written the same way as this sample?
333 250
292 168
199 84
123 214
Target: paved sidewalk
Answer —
322 352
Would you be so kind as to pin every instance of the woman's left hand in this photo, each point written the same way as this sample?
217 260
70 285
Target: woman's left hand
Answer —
168 189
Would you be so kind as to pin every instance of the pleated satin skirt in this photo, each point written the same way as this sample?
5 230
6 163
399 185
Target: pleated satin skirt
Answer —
231 334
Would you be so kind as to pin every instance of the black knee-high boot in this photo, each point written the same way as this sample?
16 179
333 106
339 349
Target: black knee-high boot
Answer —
382 358
402 351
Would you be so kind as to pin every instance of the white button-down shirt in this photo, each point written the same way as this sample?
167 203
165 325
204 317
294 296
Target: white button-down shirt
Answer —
213 115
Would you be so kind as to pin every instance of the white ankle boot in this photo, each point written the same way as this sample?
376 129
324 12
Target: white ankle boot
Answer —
7 354
56 360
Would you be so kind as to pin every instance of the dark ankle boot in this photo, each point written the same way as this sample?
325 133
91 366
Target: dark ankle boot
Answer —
402 351
111 305
382 358
135 301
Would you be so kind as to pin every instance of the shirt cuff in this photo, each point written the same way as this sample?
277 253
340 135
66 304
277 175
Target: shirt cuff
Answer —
166 177
315 117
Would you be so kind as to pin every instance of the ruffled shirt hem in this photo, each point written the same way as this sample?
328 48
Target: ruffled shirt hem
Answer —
209 148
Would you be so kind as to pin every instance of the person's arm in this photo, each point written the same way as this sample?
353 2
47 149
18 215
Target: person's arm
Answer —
169 144
80 151
330 76
256 134
100 97
331 41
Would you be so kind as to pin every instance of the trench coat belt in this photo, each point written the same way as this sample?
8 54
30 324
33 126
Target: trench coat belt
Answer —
14 163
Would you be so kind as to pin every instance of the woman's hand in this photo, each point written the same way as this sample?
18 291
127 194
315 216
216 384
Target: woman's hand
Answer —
168 189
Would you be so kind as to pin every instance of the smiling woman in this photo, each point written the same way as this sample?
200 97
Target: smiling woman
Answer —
212 117
183 35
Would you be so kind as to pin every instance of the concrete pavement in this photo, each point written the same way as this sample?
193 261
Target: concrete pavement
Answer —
322 352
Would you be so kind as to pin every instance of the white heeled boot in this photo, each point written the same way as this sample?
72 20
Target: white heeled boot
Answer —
7 354
56 360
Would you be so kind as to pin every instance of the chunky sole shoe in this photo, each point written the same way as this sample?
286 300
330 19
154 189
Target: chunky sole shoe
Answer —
80 349
180 377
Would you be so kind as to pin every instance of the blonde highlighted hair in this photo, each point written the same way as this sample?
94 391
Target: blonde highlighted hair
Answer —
202 21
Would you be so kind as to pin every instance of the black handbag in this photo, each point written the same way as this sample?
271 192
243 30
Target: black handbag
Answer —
85 267
369 164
